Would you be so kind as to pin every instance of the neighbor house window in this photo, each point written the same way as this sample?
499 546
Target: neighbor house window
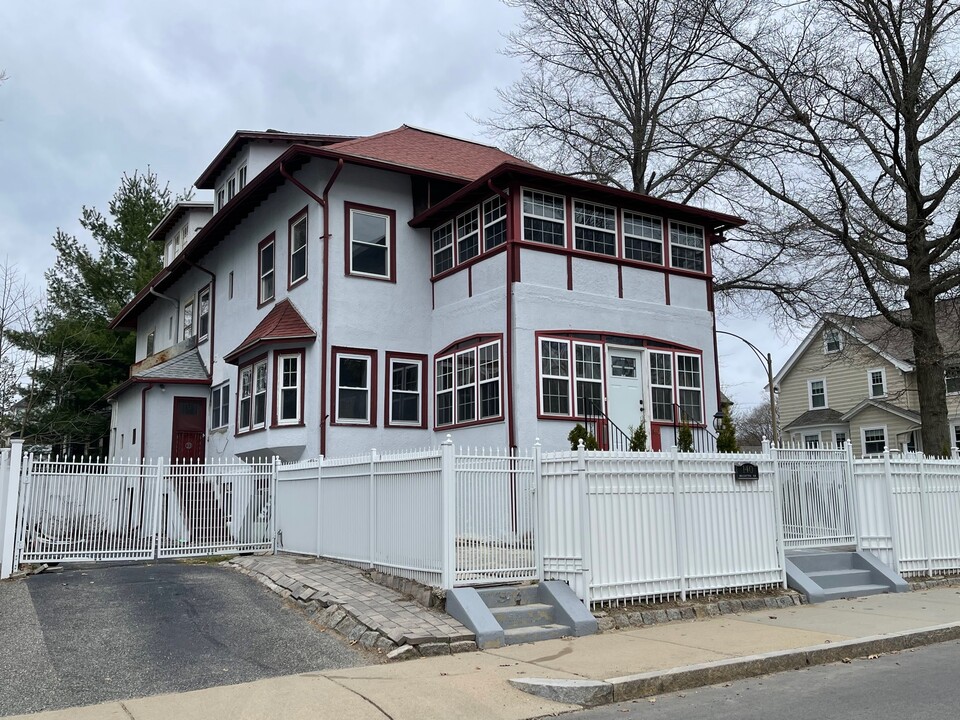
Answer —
952 378
355 386
188 319
595 228
289 382
556 379
811 441
877 382
468 235
266 270
298 249
241 177
151 342
818 394
831 341
252 397
661 386
494 222
203 317
642 238
544 218
220 406
689 388
442 248
874 441
840 439
686 247
468 386
370 241
405 397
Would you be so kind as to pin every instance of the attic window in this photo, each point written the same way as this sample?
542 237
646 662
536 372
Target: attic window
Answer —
952 378
831 341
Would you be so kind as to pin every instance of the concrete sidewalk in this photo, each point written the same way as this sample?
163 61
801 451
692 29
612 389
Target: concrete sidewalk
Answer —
615 665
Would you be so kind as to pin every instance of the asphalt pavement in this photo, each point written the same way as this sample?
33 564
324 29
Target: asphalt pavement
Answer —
87 636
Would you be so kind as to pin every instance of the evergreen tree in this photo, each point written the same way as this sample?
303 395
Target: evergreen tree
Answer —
727 437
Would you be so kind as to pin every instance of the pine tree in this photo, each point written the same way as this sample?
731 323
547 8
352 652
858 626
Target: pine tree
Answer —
727 437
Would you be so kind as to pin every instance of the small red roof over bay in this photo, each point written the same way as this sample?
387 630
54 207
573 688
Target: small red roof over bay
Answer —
282 324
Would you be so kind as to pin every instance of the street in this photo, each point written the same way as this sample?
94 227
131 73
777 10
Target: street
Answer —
86 636
918 683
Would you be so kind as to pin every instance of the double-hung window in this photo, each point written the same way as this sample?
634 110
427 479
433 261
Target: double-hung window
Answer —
298 249
818 394
220 406
241 177
231 188
266 270
686 247
831 341
468 235
952 378
443 248
874 441
203 316
494 222
588 378
252 397
289 382
877 382
595 228
468 385
370 237
642 238
554 377
355 387
544 218
556 381
405 391
188 319
661 386
689 388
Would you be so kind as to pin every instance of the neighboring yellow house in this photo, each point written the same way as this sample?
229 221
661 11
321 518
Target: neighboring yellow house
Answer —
852 380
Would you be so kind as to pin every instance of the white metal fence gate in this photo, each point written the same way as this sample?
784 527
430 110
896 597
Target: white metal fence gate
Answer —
73 511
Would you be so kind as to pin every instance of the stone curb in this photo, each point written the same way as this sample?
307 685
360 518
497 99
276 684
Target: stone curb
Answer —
630 687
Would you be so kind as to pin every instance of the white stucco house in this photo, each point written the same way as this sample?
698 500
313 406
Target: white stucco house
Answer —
342 294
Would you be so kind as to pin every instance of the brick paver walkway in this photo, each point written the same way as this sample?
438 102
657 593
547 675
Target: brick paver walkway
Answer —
387 612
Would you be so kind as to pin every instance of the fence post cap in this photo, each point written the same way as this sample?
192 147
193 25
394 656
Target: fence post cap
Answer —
449 440
537 443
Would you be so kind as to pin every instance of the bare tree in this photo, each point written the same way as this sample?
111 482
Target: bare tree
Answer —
852 118
754 424
18 303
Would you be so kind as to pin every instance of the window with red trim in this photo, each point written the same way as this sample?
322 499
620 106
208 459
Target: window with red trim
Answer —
405 398
252 396
371 241
468 385
297 244
266 270
354 387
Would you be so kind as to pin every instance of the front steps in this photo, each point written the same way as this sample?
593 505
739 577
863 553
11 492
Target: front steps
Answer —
510 615
831 575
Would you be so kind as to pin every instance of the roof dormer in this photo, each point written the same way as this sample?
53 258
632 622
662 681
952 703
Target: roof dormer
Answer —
178 227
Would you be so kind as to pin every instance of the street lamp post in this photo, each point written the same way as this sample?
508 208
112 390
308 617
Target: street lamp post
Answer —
767 362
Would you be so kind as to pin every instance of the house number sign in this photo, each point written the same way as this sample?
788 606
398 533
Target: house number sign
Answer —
746 472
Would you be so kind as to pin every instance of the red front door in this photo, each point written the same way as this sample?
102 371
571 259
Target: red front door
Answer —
189 428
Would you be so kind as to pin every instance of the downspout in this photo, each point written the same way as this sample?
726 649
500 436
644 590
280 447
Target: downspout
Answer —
325 290
176 320
511 414
213 309
143 441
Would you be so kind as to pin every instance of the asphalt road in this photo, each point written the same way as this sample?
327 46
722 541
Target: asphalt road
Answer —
85 636
913 683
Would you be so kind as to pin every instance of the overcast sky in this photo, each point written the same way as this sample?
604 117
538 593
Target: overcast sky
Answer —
98 88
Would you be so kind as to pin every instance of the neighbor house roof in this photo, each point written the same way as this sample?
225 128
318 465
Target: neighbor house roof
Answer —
813 418
889 407
282 324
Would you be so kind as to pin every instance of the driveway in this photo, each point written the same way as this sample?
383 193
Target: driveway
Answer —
89 635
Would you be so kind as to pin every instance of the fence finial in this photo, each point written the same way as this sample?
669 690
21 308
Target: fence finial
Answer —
449 440
537 443
580 444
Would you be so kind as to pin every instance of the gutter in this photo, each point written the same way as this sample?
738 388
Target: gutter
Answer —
176 305
324 202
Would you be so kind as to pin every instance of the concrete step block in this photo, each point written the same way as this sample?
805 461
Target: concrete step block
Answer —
828 579
516 636
518 616
508 596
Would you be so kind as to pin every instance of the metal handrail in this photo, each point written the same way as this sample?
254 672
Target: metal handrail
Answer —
608 434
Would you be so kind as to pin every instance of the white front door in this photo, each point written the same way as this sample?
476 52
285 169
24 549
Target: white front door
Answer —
625 387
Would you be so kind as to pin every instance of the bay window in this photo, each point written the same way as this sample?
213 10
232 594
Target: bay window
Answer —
252 397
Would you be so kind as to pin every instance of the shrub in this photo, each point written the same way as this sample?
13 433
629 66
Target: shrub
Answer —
727 437
638 438
581 433
685 439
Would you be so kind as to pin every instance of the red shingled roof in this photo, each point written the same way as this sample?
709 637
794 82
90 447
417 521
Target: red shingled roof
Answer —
282 324
424 150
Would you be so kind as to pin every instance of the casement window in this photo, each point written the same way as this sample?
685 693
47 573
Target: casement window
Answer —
220 406
252 397
231 188
952 378
241 177
642 238
443 248
188 319
297 244
203 316
877 383
266 270
221 197
494 222
468 235
690 388
289 384
831 341
687 247
544 218
874 440
661 386
556 380
355 387
151 342
370 241
818 394
405 397
595 228
468 385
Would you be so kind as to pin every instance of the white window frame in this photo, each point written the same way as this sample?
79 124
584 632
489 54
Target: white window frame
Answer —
488 207
188 313
391 420
203 333
836 438
680 387
863 438
946 378
220 406
465 229
253 371
812 440
221 197
282 387
271 274
609 231
655 385
387 248
565 377
456 385
231 188
675 242
151 343
832 334
883 383
576 378
460 385
955 430
562 221
445 385
826 401
301 221
635 216
241 177
368 388
448 245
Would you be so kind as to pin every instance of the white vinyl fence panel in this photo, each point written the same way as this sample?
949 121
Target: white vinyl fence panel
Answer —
298 508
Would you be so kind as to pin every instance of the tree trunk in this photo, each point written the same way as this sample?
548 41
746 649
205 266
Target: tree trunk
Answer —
928 361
